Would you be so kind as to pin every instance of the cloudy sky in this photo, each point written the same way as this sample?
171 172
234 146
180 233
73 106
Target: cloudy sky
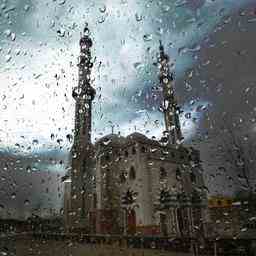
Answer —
211 44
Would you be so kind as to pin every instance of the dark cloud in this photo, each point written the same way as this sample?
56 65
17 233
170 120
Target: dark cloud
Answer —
195 4
214 66
224 73
29 182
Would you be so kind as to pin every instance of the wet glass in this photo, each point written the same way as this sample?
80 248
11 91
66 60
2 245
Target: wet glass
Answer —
127 127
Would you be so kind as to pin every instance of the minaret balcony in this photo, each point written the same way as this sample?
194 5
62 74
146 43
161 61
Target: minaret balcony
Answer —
85 42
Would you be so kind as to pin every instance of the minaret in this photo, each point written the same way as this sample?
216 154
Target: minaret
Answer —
170 108
81 173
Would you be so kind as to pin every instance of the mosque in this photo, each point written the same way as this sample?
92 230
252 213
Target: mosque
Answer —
133 185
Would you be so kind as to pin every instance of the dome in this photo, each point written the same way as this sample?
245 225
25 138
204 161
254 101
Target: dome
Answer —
138 136
111 139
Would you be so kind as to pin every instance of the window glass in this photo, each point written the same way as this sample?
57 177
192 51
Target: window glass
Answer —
132 173
105 98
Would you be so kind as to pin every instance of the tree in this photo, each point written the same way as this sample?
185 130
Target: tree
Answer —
165 200
240 154
238 150
128 202
129 198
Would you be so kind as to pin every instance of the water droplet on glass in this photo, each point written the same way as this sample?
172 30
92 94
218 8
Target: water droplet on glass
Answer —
69 137
52 24
252 20
3 6
138 65
35 142
8 58
101 19
62 2
26 7
106 142
138 17
13 195
26 202
188 87
188 115
61 32
147 37
28 169
103 8
7 32
59 141
166 8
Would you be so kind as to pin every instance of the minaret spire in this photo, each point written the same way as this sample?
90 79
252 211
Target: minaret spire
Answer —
81 173
170 108
84 93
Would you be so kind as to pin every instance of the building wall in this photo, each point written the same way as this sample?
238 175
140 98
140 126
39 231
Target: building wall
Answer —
67 203
146 158
224 217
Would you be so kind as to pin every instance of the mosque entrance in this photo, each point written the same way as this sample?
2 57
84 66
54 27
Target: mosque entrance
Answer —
131 222
163 224
180 221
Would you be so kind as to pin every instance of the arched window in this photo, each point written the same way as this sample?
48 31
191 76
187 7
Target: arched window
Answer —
143 149
163 173
84 166
94 200
192 177
178 174
126 154
122 177
132 173
107 157
107 177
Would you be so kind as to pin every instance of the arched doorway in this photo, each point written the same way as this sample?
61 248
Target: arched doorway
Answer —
180 221
163 224
131 222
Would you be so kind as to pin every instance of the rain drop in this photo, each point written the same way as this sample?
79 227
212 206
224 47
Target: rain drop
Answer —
101 19
8 58
188 115
106 142
147 37
26 7
166 8
28 169
26 202
7 32
138 17
61 32
103 8
62 2
35 142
